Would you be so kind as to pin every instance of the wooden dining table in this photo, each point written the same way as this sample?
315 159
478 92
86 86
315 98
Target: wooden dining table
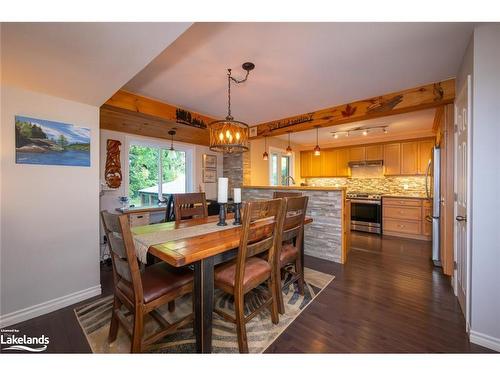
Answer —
204 252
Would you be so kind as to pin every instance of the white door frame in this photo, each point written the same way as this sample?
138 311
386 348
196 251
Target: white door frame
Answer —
280 152
469 203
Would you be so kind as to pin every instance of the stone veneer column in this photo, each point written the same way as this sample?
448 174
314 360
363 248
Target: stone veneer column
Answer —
236 167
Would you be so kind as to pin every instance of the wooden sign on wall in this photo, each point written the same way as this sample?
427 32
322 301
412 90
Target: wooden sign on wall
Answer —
113 169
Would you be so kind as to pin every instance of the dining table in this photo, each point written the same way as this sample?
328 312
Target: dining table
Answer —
204 252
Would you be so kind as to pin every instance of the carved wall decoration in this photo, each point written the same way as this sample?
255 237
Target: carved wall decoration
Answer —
349 111
113 170
186 118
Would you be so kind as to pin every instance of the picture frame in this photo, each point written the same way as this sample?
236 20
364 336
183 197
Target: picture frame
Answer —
209 175
210 161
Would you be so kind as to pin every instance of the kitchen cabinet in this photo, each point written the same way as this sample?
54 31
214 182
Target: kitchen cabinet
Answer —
424 155
392 159
405 217
374 152
315 165
305 164
357 153
343 162
409 158
329 163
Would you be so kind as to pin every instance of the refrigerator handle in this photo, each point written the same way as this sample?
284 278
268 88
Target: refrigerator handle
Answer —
427 173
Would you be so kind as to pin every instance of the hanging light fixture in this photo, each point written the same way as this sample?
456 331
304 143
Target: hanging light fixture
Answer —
172 134
289 148
229 135
265 155
317 149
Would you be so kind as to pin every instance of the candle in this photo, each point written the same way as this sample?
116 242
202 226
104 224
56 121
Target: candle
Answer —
237 195
222 190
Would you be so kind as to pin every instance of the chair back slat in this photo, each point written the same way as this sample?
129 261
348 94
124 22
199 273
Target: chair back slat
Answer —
122 269
110 221
189 206
294 213
261 220
284 194
117 245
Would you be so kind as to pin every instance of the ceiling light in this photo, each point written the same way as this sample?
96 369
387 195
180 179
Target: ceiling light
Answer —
172 134
365 132
265 155
317 149
289 148
335 136
229 135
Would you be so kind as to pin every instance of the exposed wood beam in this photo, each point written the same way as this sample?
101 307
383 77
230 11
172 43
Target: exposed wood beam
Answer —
136 114
438 116
422 97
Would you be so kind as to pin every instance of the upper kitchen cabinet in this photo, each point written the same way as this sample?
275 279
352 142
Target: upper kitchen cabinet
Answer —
374 152
424 155
305 164
392 159
409 158
343 162
357 153
329 162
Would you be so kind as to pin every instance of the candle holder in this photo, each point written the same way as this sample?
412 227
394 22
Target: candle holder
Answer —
222 215
237 214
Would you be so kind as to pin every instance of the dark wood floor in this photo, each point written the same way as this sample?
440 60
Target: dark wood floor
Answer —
387 298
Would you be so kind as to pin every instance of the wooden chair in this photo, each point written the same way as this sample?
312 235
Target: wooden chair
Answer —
189 206
259 235
284 194
290 248
141 293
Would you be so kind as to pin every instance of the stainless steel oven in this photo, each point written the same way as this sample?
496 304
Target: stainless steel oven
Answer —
366 212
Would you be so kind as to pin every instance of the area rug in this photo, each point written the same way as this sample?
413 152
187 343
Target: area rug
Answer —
94 318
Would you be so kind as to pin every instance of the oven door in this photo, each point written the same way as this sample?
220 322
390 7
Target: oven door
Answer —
366 215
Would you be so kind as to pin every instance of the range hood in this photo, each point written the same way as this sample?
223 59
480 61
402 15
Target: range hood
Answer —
366 163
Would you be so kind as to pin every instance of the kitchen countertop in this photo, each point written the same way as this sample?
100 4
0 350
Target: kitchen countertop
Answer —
405 196
313 188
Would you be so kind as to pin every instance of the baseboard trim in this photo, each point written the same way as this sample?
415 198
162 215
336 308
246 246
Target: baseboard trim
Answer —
487 341
48 306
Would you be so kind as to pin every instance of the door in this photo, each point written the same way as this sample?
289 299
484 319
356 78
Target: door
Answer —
462 238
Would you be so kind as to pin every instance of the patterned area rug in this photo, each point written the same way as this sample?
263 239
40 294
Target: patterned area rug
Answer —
95 317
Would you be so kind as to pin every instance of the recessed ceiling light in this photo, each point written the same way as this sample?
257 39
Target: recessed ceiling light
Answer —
365 132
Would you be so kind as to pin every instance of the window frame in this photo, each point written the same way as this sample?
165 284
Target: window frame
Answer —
189 151
280 152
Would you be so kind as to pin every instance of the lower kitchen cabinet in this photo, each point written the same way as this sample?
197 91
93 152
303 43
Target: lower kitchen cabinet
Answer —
405 217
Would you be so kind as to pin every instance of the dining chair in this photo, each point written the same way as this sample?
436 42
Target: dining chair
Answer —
189 206
284 194
290 248
259 235
141 292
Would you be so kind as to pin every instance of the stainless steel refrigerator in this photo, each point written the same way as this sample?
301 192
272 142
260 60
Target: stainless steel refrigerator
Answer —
433 191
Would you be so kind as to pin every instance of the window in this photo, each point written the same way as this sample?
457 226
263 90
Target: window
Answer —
155 172
281 166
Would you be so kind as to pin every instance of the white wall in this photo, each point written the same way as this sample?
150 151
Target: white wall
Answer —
109 200
49 216
485 293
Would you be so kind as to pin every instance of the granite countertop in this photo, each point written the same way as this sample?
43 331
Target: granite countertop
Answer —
406 196
296 187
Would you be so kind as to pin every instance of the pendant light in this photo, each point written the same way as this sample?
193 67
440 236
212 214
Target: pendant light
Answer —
289 148
172 133
317 149
229 135
265 155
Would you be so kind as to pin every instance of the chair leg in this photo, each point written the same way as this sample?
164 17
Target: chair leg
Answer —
273 290
239 306
279 293
113 327
298 271
138 330
171 306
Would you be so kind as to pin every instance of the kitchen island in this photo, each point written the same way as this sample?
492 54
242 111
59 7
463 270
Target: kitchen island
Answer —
327 236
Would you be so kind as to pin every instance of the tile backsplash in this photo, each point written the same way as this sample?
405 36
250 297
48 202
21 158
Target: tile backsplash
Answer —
412 185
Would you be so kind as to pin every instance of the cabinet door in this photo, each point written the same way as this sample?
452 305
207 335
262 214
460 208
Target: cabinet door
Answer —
374 152
329 163
357 153
305 164
424 155
343 162
392 159
426 225
409 158
315 165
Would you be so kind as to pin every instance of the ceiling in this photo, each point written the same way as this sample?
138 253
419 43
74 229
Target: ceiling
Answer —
85 62
300 67
403 126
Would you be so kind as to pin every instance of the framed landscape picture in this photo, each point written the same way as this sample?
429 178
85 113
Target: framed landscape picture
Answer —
48 142
209 175
209 161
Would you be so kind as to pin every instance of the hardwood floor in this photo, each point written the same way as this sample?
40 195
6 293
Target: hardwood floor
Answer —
386 298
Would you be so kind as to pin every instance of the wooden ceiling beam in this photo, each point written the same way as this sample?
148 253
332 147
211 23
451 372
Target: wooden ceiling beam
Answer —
135 114
418 98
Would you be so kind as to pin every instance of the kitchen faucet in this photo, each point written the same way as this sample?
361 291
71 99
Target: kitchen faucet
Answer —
286 180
